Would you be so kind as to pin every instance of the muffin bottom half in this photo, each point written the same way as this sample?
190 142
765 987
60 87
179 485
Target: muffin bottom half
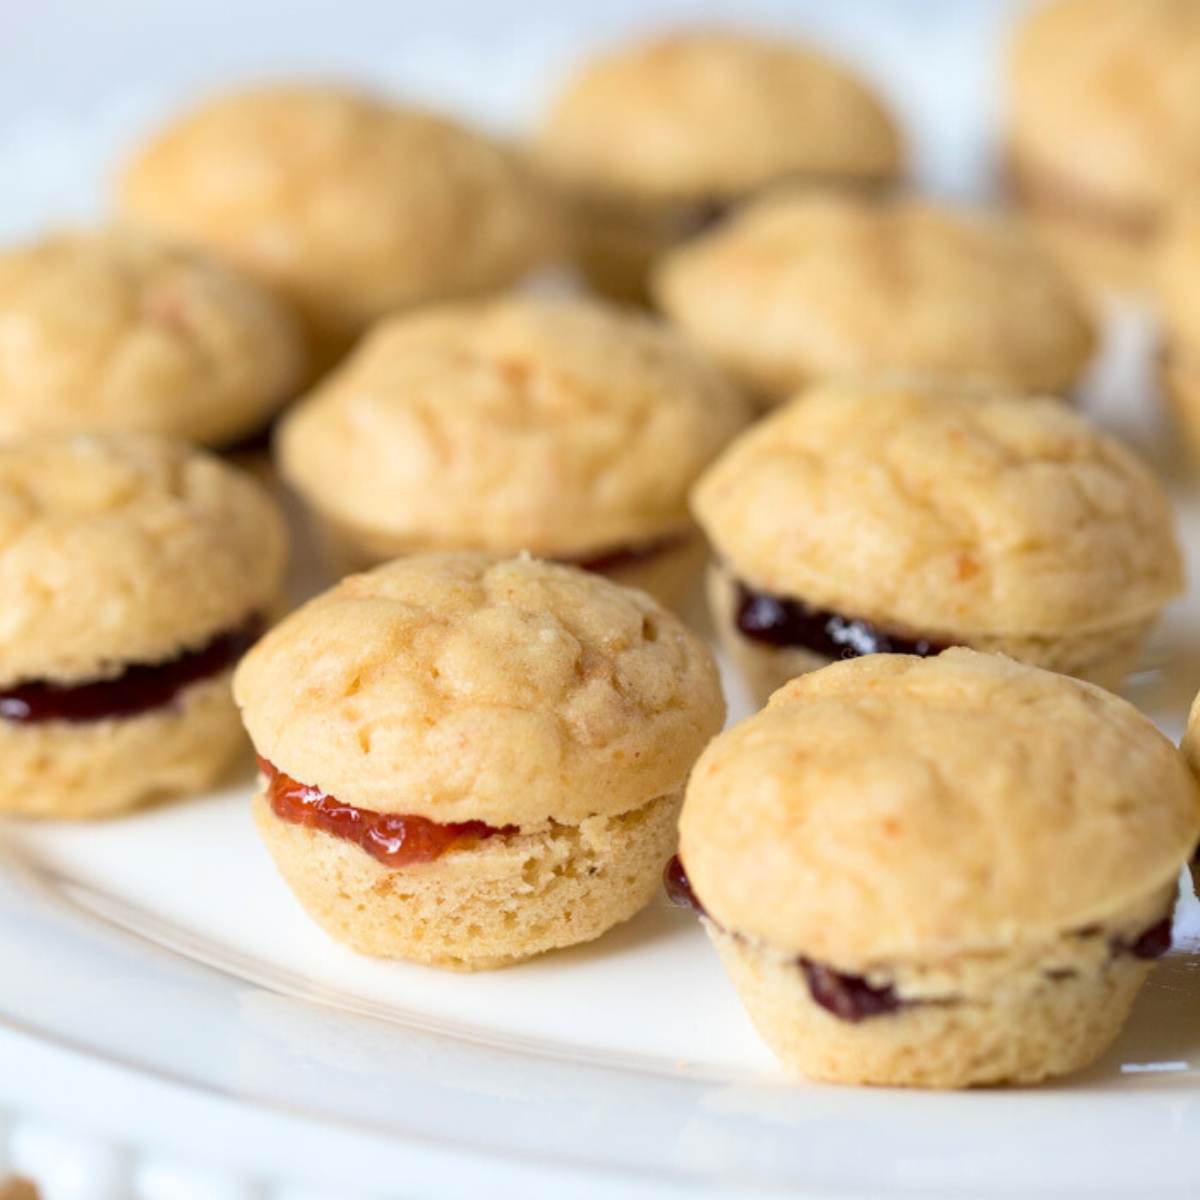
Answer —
488 904
1103 657
1017 1016
97 768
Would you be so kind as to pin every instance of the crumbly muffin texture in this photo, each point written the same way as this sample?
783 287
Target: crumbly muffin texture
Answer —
561 427
115 330
1104 96
803 286
940 509
350 205
898 809
487 904
461 687
713 114
119 549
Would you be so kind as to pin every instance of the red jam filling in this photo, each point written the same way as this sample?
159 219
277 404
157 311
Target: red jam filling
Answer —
785 622
395 840
139 688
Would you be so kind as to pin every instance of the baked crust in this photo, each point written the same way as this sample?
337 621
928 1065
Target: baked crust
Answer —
801 286
711 113
1105 95
126 548
562 427
352 206
115 330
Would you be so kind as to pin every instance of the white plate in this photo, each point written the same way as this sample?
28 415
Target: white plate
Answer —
166 943
171 1025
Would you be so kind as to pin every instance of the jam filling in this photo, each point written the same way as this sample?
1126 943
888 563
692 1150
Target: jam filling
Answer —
847 997
1150 943
139 688
395 840
851 998
784 622
679 887
624 556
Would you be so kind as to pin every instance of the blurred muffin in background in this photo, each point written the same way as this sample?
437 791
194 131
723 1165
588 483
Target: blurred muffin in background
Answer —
910 515
656 140
561 427
350 205
1104 126
116 330
798 288
1177 288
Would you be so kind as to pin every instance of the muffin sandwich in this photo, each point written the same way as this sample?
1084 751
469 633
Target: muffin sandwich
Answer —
562 427
468 761
800 288
350 205
654 141
134 572
911 515
938 872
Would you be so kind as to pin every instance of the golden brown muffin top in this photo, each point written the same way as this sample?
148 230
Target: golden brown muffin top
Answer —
898 808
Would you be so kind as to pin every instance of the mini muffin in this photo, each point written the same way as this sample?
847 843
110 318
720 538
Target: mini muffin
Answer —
938 872
468 761
653 141
801 288
1104 125
133 573
561 427
350 205
115 330
912 515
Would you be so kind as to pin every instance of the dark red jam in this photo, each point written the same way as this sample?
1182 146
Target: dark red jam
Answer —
847 997
1150 943
139 688
624 556
781 621
679 887
395 840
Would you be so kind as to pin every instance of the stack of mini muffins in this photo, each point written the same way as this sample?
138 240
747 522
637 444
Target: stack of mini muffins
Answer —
941 855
